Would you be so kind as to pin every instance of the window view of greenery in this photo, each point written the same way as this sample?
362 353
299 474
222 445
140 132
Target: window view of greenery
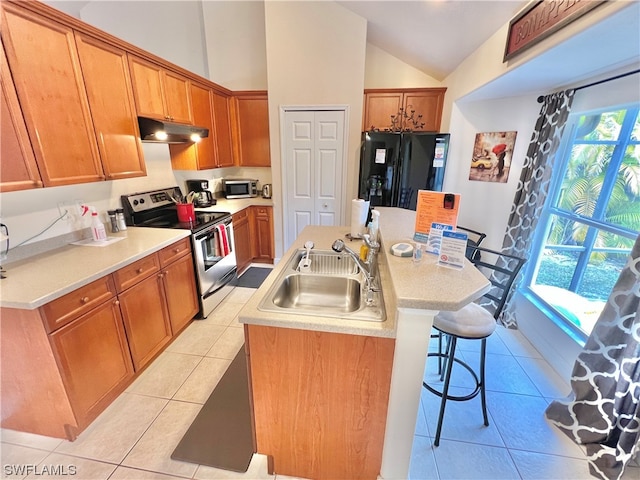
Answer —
592 217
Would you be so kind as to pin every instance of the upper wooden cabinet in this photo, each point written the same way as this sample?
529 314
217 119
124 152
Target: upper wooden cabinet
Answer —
160 93
222 126
44 64
210 110
381 105
106 75
18 168
251 129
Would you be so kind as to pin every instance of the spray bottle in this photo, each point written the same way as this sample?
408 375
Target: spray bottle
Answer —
98 231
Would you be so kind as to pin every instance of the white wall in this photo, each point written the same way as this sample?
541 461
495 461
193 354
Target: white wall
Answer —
315 56
235 38
172 30
383 70
485 206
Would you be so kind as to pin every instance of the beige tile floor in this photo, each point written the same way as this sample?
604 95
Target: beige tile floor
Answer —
134 438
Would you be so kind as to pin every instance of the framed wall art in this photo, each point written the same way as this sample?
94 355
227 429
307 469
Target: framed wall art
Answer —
492 153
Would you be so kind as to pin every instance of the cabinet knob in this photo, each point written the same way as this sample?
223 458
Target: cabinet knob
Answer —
139 270
325 205
116 302
84 299
177 250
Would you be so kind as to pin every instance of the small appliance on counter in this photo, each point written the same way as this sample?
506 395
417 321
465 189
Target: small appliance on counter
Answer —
203 197
240 187
266 190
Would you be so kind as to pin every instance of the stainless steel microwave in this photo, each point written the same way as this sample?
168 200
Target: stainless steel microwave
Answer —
240 188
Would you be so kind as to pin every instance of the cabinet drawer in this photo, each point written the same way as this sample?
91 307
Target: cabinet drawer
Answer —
175 251
131 274
65 309
261 211
240 215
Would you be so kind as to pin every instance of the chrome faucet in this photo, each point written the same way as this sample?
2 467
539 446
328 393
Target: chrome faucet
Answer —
369 267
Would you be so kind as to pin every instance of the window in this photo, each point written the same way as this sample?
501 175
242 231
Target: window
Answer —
591 218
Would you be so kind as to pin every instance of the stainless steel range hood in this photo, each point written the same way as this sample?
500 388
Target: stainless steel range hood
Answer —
156 131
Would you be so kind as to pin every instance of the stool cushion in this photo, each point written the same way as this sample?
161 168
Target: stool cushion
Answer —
471 321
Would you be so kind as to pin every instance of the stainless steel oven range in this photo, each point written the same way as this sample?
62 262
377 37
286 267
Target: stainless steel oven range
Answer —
211 238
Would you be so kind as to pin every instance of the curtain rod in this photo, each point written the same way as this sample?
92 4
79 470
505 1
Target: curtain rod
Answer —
541 97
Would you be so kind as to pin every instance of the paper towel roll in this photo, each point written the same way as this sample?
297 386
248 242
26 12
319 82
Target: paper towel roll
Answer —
359 212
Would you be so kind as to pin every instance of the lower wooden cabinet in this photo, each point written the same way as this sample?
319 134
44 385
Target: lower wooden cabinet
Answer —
262 234
181 292
322 412
242 238
64 363
146 319
253 233
94 359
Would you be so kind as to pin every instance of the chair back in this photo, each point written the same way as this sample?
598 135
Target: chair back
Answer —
474 239
501 269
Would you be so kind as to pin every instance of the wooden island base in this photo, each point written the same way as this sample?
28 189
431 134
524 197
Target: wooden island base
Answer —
319 392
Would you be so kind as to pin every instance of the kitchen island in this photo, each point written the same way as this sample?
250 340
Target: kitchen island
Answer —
305 369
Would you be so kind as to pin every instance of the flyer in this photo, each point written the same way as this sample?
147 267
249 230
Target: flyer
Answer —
452 249
438 207
435 237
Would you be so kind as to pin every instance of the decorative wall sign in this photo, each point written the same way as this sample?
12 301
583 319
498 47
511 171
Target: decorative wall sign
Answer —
491 160
540 19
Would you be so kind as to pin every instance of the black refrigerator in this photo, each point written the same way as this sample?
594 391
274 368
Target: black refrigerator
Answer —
394 166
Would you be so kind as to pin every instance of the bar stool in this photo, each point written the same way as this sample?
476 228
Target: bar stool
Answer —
475 321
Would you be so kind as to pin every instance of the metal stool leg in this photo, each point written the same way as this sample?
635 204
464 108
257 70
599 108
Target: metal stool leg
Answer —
483 396
451 350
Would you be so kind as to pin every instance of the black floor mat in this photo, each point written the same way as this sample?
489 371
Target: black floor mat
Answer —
221 435
253 277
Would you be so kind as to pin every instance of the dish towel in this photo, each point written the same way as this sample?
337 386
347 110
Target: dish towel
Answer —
223 241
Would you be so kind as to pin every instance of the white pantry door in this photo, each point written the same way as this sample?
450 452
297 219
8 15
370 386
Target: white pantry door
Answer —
313 169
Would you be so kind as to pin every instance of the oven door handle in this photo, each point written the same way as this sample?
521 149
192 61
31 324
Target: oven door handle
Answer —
211 230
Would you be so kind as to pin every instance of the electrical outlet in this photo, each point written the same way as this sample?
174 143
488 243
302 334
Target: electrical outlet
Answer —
70 210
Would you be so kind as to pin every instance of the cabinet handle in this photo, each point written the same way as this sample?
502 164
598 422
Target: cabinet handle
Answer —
116 302
139 270
84 299
177 250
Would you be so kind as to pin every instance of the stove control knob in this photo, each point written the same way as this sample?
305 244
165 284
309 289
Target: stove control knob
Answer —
135 202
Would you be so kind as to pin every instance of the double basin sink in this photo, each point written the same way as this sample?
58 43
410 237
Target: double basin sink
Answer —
333 285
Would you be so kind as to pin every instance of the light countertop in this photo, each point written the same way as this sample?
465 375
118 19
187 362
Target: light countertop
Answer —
423 286
235 205
37 280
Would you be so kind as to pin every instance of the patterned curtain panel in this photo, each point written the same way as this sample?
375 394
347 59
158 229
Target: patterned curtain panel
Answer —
534 184
603 410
